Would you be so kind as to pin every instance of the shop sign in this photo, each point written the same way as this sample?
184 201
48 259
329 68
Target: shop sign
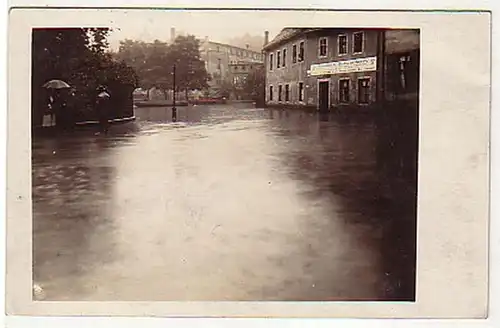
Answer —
346 66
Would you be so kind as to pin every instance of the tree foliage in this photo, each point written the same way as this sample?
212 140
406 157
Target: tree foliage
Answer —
154 63
255 84
77 56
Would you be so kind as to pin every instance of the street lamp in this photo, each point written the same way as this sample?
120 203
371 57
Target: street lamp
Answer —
174 110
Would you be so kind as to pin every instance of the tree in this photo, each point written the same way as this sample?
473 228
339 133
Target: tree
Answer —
255 85
190 69
154 63
149 61
77 56
226 88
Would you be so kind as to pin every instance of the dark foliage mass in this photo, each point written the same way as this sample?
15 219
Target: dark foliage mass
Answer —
77 56
154 63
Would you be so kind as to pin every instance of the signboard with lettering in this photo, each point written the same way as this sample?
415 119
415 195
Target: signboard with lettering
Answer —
346 66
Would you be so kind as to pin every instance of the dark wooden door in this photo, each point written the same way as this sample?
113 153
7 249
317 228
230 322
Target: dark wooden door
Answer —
323 97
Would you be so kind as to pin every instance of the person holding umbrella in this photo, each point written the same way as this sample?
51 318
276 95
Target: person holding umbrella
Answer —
102 106
56 104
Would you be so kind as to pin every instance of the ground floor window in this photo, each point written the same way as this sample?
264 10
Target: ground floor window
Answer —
301 91
280 91
271 92
287 92
344 91
364 90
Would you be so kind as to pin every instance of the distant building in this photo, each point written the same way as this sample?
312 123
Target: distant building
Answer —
219 56
238 72
328 68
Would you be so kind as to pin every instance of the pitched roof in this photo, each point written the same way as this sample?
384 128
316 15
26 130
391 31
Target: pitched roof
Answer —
285 34
291 32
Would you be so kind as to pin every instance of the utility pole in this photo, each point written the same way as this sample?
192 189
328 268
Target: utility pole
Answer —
174 110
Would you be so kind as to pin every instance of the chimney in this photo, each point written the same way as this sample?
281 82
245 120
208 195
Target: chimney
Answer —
172 34
266 37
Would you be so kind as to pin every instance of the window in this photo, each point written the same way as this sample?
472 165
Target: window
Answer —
287 92
284 57
271 62
357 42
218 63
294 53
270 92
301 91
364 90
301 51
278 59
406 67
344 91
235 68
323 47
342 42
218 49
280 89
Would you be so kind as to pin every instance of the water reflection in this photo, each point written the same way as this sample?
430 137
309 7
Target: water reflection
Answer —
231 203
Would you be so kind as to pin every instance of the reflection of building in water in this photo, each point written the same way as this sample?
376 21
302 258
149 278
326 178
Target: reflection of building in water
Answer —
326 68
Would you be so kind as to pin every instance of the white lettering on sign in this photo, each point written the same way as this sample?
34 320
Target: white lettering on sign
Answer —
346 66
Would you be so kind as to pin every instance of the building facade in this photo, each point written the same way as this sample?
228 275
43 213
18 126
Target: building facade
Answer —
238 73
329 68
402 65
219 56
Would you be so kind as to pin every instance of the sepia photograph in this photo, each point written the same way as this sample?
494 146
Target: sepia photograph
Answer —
256 167
239 156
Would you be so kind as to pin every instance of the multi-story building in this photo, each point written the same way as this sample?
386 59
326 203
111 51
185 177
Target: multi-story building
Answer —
219 56
238 72
401 64
327 68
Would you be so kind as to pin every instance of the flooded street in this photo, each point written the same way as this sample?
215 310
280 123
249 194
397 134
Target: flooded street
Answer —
230 203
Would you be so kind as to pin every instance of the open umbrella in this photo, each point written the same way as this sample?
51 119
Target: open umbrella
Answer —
56 84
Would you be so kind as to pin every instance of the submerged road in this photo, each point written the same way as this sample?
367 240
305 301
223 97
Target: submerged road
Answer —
230 203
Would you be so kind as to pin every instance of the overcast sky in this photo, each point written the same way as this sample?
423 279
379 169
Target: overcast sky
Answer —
217 25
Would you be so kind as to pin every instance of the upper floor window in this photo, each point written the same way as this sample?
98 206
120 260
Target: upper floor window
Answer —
294 53
278 59
218 48
218 63
271 61
357 42
284 57
342 44
323 47
301 51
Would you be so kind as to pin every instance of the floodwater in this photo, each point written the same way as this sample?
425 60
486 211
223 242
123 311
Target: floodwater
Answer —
229 203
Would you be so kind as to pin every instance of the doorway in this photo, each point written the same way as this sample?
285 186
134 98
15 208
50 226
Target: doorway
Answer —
323 96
